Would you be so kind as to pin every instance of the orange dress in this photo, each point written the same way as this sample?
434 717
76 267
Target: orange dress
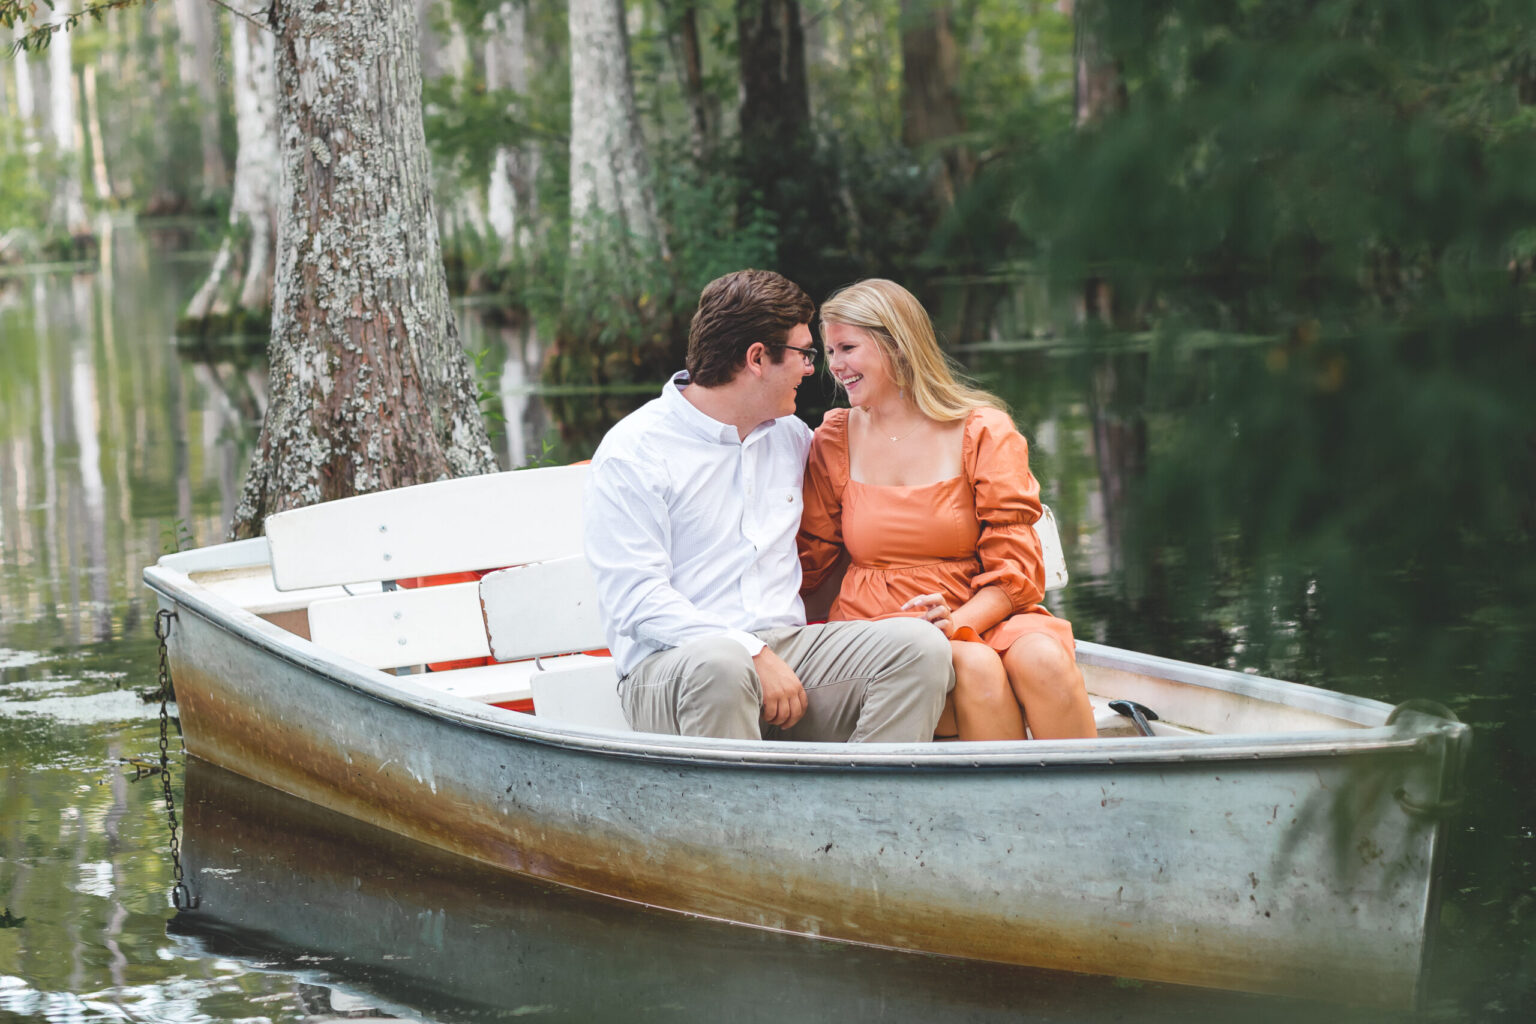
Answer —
953 537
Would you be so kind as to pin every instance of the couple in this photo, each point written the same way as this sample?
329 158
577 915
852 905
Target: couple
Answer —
701 511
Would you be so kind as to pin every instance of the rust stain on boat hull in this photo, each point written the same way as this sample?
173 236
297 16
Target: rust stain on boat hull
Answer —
1090 871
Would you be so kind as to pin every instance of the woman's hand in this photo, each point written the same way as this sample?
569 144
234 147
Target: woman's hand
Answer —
934 610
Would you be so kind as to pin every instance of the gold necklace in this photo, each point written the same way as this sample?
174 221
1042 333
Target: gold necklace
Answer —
901 437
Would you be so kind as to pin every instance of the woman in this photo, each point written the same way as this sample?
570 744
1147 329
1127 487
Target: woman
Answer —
926 484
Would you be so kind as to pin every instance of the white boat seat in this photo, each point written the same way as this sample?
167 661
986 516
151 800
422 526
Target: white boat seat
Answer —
542 608
545 608
402 627
448 526
517 680
579 694
1051 555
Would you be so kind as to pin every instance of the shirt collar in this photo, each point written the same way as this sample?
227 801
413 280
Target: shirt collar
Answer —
697 422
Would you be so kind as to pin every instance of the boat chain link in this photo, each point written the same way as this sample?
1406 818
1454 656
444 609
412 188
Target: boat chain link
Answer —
181 896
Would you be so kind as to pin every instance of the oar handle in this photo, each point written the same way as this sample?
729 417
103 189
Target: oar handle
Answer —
1138 713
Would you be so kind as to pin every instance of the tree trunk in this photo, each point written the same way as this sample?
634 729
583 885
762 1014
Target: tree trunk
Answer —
779 166
370 388
239 285
461 201
26 101
69 216
195 20
100 181
510 193
775 100
611 199
703 114
930 108
1100 92
1099 86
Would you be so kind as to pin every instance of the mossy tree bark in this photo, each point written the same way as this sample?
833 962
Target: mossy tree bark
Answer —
369 387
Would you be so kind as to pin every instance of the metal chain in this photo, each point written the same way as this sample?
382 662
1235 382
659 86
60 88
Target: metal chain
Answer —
181 896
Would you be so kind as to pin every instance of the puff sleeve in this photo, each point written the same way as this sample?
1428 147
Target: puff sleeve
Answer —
821 522
996 460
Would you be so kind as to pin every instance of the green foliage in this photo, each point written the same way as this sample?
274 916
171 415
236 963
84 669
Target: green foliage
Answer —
466 122
488 391
1278 159
623 314
176 537
23 202
40 35
150 127
547 455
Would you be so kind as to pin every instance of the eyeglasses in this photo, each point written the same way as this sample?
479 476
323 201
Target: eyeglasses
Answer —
808 354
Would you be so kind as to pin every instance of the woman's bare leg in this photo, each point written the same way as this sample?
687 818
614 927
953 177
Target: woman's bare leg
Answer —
985 707
1048 683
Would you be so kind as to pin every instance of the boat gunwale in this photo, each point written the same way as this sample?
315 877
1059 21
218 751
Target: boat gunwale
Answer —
1113 752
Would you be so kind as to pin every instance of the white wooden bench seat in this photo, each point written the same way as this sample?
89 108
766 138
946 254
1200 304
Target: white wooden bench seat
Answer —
471 523
451 526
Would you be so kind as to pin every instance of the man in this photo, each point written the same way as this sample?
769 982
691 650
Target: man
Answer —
691 514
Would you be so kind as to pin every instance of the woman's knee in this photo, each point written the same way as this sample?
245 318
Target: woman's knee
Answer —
1039 659
979 671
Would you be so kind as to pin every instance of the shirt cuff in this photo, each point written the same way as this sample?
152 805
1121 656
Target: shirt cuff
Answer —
750 643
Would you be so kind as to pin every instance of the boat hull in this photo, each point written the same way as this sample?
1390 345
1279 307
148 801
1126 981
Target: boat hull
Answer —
420 934
1282 867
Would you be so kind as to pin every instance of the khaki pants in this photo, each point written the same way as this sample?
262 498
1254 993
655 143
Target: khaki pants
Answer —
864 682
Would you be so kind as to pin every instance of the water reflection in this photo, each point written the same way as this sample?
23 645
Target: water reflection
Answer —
408 931
532 426
95 476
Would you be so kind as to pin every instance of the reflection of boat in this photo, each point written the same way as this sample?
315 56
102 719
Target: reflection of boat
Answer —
415 932
1285 839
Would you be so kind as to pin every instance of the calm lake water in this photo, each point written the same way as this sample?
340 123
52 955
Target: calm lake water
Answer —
1352 516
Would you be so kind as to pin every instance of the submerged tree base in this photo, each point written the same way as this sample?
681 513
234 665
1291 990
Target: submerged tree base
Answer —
240 331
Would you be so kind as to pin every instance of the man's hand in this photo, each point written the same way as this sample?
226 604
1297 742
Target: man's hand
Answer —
784 699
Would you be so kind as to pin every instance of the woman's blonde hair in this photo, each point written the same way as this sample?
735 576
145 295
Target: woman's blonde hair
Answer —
897 322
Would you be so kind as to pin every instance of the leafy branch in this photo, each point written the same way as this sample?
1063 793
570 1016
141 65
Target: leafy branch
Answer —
37 38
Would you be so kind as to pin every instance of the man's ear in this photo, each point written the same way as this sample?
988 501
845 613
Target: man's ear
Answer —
757 355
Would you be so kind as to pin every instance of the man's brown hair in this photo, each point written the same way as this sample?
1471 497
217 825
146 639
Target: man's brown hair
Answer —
734 312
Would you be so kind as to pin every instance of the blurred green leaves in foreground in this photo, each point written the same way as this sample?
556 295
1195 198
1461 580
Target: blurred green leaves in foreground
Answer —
1340 197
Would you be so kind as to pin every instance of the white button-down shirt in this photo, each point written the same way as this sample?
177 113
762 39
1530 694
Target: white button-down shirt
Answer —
690 530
